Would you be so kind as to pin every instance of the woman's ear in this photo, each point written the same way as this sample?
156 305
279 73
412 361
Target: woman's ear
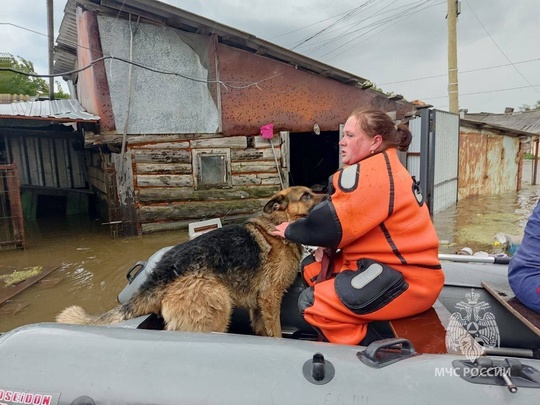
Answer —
377 141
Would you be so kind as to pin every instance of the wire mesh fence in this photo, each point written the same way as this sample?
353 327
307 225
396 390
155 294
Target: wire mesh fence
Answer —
11 214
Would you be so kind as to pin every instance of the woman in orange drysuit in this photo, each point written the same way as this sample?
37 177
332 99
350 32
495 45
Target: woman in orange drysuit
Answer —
387 266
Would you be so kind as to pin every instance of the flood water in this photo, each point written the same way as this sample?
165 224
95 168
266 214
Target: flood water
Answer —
474 220
91 266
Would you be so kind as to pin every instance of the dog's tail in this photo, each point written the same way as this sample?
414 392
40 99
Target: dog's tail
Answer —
142 303
78 316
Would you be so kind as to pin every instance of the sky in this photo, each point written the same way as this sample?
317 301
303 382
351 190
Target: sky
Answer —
399 45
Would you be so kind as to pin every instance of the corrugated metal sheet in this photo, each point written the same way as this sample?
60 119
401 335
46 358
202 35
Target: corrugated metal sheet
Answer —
413 154
48 161
445 176
488 162
527 121
433 156
52 110
65 52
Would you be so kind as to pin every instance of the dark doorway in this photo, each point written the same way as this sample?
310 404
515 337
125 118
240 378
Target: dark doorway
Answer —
313 159
51 206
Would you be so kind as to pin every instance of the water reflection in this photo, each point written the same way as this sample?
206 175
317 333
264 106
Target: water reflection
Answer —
91 266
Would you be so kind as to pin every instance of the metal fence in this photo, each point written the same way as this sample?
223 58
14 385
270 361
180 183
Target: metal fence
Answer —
11 215
433 156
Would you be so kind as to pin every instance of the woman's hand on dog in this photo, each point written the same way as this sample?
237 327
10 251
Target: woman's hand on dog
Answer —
318 254
280 229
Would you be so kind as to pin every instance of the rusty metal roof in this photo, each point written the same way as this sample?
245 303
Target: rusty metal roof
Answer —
51 110
65 51
527 121
161 13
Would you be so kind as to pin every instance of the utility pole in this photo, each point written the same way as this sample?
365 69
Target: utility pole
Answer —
452 56
50 24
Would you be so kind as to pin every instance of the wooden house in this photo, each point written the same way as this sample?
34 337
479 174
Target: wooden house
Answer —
183 102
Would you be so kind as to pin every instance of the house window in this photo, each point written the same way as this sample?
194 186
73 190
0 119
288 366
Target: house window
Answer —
212 168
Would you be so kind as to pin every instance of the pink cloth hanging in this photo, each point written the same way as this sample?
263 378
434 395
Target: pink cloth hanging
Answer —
267 131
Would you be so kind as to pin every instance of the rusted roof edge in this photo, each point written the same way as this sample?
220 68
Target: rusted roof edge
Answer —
481 124
171 16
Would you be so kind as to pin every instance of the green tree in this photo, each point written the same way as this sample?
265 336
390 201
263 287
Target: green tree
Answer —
526 107
59 93
17 83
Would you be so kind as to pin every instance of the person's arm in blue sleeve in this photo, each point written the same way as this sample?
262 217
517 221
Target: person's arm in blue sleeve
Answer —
524 267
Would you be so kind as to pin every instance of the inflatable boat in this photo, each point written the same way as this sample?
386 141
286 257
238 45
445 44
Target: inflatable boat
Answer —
476 345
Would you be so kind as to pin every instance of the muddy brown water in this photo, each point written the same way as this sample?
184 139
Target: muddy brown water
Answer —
91 266
474 220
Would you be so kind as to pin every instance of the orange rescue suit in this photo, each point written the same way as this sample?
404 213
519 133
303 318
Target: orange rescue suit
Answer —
376 211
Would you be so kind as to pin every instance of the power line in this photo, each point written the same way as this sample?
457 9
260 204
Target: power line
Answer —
327 30
345 17
461 72
24 28
342 32
307 26
68 42
339 35
498 47
140 65
408 13
481 92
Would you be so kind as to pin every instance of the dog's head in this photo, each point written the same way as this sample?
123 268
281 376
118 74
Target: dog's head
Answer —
292 203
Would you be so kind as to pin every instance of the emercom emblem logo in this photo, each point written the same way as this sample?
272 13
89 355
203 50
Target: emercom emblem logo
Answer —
472 328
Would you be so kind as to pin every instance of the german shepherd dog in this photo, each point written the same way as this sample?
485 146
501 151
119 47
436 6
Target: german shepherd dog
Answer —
197 284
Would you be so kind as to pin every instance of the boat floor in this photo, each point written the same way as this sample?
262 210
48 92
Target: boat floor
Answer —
426 331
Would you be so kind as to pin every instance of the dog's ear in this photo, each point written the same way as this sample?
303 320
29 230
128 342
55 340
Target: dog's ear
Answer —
277 203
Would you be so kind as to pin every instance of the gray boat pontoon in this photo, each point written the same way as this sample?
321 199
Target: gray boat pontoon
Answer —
476 345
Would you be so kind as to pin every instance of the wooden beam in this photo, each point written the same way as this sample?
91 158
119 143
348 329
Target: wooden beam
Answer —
9 292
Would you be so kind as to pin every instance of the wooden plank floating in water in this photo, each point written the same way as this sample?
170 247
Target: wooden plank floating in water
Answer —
509 301
11 308
50 282
9 292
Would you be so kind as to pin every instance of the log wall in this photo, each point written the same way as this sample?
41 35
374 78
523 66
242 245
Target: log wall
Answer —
166 194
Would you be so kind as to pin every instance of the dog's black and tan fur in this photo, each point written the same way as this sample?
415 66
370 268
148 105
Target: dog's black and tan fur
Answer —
196 284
